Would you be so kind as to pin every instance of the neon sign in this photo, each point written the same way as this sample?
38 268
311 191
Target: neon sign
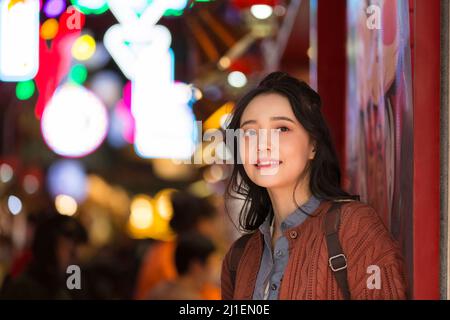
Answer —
164 122
19 39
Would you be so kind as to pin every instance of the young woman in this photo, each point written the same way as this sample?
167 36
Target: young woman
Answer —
306 237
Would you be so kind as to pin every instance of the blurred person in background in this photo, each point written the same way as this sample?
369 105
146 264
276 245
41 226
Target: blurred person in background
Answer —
22 258
190 213
53 249
195 263
110 274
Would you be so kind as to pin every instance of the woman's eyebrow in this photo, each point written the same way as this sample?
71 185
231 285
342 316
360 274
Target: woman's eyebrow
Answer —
282 118
275 118
247 122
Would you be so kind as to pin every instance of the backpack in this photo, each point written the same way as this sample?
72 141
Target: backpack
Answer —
337 261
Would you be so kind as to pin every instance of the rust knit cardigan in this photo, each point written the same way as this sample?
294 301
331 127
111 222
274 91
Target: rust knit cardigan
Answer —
365 241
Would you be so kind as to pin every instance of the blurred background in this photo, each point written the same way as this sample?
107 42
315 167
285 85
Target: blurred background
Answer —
103 165
84 159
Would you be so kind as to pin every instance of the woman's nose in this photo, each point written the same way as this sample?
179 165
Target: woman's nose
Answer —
264 141
263 147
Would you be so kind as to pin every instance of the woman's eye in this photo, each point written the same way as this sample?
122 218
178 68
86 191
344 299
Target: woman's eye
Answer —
283 129
249 132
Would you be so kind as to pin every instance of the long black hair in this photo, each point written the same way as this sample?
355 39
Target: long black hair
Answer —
325 175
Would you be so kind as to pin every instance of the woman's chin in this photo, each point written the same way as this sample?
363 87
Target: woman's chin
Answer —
267 181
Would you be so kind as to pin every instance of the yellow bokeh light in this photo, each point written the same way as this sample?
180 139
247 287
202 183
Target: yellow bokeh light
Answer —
145 219
213 174
12 3
168 169
66 205
198 94
49 29
141 216
200 189
217 119
163 203
83 48
224 63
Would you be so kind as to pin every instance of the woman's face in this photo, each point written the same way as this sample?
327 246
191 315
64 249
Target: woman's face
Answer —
277 155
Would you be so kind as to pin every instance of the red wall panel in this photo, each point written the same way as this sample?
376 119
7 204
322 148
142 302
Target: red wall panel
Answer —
426 86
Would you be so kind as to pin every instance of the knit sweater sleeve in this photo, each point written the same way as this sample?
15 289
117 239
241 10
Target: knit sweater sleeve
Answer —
225 278
375 265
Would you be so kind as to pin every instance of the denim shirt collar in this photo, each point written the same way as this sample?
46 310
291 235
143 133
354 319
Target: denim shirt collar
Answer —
293 219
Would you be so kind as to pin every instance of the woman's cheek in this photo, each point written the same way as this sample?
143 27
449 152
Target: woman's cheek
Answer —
243 153
244 157
248 152
294 150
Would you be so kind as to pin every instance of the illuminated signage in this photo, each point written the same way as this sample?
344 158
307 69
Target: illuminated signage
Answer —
19 39
164 122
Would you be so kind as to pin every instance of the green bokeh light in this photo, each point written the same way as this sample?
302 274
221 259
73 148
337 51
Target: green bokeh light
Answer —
100 6
97 7
78 74
25 90
169 12
173 13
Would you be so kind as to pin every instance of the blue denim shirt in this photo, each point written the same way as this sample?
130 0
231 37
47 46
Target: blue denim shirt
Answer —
274 263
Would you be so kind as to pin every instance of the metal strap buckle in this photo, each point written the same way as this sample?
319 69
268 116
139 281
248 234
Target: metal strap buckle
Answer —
330 262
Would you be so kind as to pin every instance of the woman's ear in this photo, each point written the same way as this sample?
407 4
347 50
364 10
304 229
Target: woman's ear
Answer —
312 154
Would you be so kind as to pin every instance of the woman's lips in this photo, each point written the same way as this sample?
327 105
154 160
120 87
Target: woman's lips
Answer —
262 164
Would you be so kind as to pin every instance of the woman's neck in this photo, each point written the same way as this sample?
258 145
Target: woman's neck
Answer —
283 202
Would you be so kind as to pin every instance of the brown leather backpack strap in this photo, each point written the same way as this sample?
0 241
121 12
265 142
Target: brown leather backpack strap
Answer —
236 253
337 260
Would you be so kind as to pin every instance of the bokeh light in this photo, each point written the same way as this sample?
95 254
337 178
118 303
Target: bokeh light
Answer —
219 118
83 48
54 8
67 177
141 216
91 6
237 79
177 7
74 122
78 74
163 203
30 184
261 11
25 89
66 205
14 205
19 40
213 174
49 29
145 221
6 172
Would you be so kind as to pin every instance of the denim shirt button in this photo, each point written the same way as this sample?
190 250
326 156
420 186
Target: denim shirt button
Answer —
273 287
